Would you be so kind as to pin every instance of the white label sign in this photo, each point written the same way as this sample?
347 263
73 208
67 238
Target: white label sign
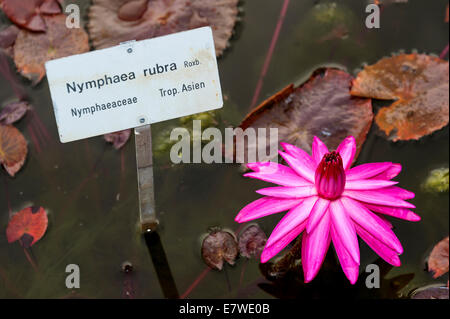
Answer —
134 84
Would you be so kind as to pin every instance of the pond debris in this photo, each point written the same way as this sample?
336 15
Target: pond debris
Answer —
418 84
438 259
321 107
219 246
32 50
13 149
118 139
29 14
252 241
13 112
114 21
28 226
437 181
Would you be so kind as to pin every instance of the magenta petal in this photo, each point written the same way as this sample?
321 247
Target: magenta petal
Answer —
289 192
301 165
390 173
314 248
349 266
293 218
372 224
276 247
397 212
377 197
367 170
377 246
399 192
265 206
319 149
368 184
345 229
347 150
276 173
317 213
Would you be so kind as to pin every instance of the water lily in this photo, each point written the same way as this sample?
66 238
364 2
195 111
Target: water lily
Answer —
327 200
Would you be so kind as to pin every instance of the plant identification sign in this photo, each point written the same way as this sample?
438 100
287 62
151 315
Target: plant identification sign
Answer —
134 84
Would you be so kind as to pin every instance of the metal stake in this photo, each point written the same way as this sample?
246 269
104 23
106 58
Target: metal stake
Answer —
144 159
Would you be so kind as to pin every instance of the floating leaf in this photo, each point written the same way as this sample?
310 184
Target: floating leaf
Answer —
8 36
28 13
13 149
219 246
437 180
115 21
28 226
438 260
32 50
431 292
321 107
118 139
252 241
13 112
419 85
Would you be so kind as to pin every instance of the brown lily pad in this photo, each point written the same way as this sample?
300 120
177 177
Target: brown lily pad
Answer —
28 226
114 21
28 14
118 139
252 241
419 85
438 260
321 107
219 246
32 50
13 112
8 36
13 149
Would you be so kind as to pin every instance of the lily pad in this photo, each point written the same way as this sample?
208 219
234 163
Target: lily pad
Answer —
13 149
321 107
118 139
219 246
32 50
28 226
252 241
114 21
438 260
418 84
29 14
8 36
431 292
13 112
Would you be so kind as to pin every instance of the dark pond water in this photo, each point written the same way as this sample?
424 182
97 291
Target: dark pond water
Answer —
90 192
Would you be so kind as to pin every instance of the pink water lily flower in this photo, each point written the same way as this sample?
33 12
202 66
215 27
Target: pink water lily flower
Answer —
329 201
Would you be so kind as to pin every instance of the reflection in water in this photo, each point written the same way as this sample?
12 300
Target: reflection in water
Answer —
161 265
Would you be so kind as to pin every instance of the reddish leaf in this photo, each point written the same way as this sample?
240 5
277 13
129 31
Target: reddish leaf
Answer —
13 112
118 139
219 246
252 241
8 36
419 85
321 107
28 226
32 50
115 21
28 13
13 149
438 260
431 292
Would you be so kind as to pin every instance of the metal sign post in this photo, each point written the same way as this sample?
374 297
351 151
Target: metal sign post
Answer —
144 160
